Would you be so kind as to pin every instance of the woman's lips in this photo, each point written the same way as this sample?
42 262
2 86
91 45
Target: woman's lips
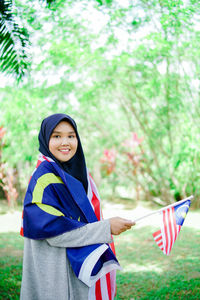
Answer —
64 151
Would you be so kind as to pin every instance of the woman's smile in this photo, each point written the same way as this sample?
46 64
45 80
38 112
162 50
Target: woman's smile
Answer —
65 151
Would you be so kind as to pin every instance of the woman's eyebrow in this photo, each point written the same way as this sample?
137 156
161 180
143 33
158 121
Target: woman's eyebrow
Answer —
62 132
56 131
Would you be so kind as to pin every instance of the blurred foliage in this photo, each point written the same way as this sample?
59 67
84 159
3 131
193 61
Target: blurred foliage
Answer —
129 75
14 40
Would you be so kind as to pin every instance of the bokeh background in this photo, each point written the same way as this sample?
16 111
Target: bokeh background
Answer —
128 72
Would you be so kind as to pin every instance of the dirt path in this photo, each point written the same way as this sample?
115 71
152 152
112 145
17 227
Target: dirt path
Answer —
11 221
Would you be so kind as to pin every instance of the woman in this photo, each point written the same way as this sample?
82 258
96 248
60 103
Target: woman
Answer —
66 251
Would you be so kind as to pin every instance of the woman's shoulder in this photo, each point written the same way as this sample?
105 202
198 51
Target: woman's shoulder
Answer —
41 169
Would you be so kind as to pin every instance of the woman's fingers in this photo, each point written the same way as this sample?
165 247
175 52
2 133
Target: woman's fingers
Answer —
119 225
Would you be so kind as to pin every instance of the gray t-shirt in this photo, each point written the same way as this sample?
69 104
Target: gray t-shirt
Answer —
47 273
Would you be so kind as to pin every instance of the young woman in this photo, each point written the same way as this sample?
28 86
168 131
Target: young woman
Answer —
67 255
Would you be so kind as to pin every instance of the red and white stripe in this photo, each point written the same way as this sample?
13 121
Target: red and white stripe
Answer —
105 287
22 227
158 239
167 235
41 158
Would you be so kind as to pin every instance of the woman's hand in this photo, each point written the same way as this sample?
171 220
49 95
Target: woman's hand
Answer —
119 225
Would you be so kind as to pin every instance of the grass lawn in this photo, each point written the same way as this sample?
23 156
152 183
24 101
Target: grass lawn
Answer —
11 251
147 272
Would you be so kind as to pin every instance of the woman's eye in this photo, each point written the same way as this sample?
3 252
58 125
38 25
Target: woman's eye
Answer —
71 136
56 136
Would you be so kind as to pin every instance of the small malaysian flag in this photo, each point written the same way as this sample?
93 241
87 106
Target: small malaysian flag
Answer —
172 220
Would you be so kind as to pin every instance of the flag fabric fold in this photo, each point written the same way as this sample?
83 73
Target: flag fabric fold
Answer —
172 219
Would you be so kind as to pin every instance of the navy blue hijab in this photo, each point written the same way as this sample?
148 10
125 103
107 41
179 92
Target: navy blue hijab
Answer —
76 166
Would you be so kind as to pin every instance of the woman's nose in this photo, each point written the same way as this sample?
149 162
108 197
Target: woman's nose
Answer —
64 141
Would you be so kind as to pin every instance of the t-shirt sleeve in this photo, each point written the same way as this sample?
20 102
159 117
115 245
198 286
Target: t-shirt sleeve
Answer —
92 233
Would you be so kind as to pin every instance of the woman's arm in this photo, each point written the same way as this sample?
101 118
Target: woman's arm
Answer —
92 233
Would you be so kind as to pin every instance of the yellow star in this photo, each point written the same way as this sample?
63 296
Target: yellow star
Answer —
183 215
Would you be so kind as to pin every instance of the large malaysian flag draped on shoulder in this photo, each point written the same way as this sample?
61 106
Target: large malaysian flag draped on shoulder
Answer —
172 220
56 203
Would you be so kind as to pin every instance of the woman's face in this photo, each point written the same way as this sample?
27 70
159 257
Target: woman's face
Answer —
63 142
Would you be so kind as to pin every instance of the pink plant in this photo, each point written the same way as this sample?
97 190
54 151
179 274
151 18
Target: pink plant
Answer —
7 176
133 154
8 184
133 142
2 132
109 155
109 160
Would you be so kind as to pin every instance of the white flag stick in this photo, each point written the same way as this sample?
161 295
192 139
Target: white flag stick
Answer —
160 210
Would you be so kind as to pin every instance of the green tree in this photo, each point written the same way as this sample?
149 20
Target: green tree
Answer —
14 40
130 79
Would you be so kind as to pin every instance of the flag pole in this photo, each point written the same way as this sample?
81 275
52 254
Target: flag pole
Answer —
160 210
